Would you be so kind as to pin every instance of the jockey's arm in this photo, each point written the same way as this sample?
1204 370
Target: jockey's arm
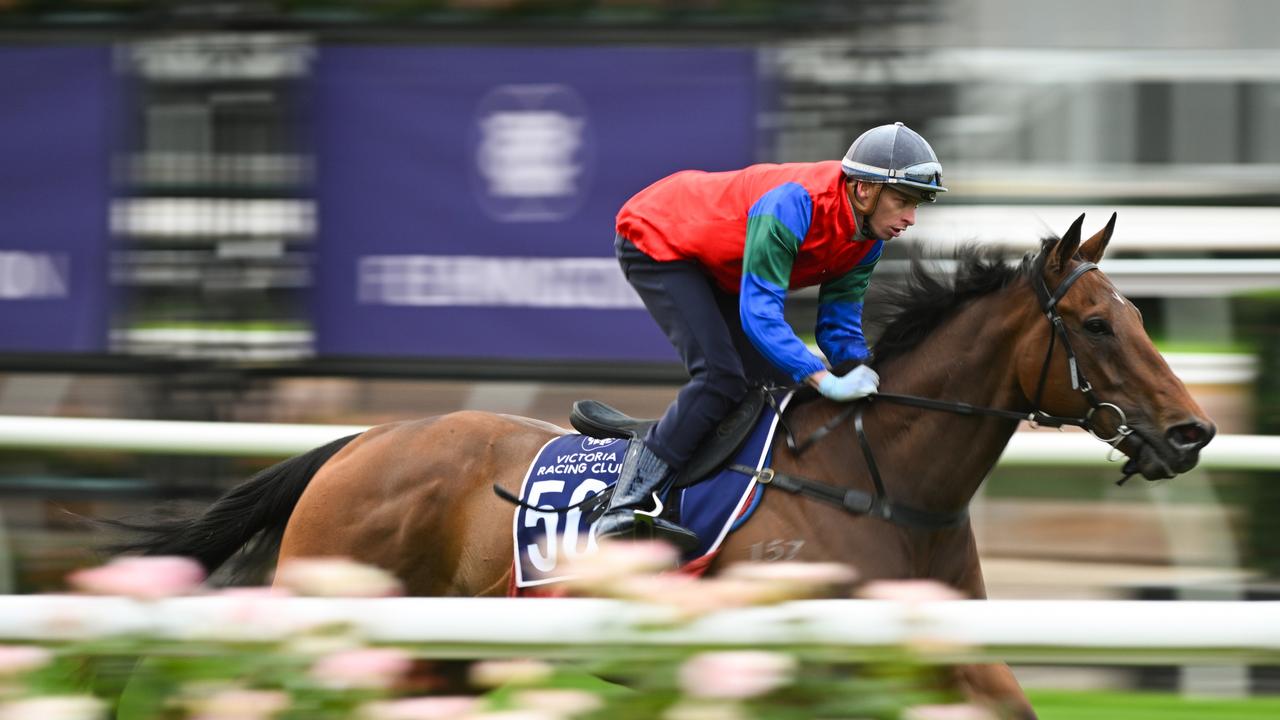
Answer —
839 329
776 225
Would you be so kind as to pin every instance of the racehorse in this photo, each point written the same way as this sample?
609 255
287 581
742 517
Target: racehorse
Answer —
1050 339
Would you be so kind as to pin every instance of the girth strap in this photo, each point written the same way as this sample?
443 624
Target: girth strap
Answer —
856 502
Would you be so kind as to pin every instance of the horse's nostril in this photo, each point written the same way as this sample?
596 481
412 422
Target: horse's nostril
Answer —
1189 436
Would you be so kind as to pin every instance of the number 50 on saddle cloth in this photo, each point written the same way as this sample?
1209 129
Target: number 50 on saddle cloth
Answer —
571 468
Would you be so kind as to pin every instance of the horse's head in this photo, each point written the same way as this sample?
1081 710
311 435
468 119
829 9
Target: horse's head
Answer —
1120 382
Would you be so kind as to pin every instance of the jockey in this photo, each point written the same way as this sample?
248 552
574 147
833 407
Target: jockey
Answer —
712 256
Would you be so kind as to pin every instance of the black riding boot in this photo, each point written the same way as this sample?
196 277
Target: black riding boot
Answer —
645 477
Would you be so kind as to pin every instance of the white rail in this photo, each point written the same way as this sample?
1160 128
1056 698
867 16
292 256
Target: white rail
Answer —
1080 631
1027 449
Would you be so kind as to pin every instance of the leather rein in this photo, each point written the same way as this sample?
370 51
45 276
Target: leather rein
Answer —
858 502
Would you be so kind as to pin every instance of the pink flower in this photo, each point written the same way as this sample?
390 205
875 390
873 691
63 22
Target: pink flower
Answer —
18 659
618 560
795 580
427 708
144 578
336 577
371 668
912 592
735 675
238 704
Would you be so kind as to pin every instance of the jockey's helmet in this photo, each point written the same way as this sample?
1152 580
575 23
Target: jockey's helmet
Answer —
895 155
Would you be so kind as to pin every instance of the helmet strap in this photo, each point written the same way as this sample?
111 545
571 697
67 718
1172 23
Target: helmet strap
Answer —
866 207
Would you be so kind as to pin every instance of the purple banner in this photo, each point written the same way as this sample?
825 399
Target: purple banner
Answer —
55 150
467 195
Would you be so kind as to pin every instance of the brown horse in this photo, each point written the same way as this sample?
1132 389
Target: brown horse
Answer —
415 497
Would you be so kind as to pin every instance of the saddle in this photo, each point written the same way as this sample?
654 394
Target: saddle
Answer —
596 419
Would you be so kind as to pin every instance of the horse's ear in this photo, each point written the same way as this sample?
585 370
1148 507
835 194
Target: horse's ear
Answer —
1066 247
1093 248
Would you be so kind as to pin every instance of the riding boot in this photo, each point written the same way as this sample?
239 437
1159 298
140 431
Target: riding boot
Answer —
644 483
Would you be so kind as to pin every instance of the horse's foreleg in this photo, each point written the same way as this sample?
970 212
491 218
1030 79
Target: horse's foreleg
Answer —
994 686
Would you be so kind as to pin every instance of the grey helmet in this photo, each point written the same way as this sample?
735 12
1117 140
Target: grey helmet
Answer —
895 155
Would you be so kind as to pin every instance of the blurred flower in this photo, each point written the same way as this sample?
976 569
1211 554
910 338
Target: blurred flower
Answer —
947 712
17 659
427 708
909 591
371 668
735 675
514 715
795 580
686 710
561 703
246 614
336 577
55 707
492 673
616 560
926 635
324 640
237 704
145 578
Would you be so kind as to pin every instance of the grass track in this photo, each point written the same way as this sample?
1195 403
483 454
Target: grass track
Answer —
1078 705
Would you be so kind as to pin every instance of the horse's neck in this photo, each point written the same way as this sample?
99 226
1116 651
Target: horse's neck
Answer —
936 460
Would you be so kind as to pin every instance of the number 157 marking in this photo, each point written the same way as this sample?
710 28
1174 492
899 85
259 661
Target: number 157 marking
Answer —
776 550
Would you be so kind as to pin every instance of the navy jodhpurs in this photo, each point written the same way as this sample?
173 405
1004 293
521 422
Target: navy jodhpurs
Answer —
703 324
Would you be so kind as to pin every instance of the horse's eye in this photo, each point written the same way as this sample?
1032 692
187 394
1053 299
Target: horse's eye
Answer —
1097 326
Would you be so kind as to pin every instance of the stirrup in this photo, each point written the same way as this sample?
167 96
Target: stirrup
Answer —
647 525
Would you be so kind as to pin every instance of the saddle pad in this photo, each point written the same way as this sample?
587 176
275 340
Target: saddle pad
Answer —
572 468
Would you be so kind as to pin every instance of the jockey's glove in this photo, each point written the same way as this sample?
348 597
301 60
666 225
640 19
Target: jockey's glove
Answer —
858 383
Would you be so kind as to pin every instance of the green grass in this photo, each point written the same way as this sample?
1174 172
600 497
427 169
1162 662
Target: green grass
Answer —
1203 346
1079 705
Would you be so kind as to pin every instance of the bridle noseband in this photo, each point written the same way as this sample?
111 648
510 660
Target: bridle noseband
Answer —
878 505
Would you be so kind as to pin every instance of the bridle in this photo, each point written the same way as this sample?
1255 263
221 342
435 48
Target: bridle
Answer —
878 505
1049 306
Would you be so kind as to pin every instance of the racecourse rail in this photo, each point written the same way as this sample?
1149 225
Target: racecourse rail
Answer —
1026 449
1130 632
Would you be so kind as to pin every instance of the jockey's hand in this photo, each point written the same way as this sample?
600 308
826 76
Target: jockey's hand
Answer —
859 383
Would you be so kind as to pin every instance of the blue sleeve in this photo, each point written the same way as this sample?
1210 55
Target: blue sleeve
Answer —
776 226
839 330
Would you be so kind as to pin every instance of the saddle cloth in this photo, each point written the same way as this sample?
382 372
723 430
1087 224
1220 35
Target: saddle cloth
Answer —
572 468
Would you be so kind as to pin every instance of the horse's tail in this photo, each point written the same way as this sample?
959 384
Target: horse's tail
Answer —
255 511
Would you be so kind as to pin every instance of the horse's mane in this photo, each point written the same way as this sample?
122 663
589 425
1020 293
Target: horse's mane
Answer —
912 310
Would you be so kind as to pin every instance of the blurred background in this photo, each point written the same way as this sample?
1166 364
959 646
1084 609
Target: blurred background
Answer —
355 212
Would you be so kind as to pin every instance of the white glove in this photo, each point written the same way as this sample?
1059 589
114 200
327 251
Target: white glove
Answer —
859 383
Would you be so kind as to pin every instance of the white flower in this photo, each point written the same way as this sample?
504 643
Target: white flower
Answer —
947 712
336 577
55 707
492 673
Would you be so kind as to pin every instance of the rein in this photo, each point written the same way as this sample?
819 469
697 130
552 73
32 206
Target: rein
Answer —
878 505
